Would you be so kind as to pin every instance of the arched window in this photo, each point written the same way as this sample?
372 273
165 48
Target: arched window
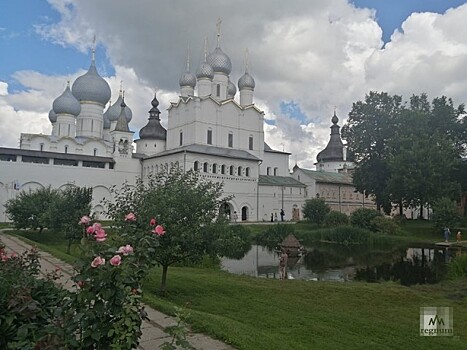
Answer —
209 137
214 168
223 169
230 140
250 143
275 171
231 170
156 169
66 149
181 138
247 171
42 147
239 171
205 167
268 171
196 166
95 152
218 90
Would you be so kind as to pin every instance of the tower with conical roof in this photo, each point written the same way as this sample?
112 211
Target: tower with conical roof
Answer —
122 135
93 93
152 136
334 157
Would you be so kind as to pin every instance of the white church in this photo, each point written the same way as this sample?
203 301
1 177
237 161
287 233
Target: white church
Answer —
211 129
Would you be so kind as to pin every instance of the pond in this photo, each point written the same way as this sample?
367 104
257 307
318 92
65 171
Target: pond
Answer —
334 262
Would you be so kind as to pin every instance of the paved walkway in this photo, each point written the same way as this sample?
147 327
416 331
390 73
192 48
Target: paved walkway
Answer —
153 330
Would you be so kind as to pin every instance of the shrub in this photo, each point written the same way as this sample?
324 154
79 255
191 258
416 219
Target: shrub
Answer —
274 235
315 210
335 218
445 213
384 225
363 217
458 267
32 309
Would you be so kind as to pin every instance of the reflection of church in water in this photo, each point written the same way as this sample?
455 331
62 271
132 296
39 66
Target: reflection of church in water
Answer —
212 128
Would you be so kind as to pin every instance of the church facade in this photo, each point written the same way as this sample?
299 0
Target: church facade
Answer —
211 128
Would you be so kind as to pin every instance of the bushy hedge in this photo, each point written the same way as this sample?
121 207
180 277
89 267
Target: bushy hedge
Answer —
363 218
458 267
335 218
385 225
274 235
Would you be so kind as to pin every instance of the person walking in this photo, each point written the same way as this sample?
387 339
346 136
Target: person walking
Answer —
459 237
447 233
283 264
282 214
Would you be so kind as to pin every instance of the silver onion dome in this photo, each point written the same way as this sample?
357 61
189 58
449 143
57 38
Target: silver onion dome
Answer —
106 122
246 81
52 116
113 112
91 87
231 89
66 103
219 61
187 79
205 71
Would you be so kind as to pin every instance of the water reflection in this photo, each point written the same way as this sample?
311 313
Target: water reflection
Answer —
332 262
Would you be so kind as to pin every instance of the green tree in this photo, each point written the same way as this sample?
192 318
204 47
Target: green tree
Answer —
335 218
315 210
66 210
363 217
368 130
187 206
424 153
445 213
31 209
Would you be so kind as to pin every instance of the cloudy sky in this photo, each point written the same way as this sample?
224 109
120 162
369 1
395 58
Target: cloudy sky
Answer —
307 56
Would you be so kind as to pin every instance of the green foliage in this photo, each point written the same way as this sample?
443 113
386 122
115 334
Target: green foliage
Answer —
363 217
178 332
335 218
232 243
340 234
33 309
65 211
384 225
457 268
187 206
445 213
315 210
407 154
31 209
274 235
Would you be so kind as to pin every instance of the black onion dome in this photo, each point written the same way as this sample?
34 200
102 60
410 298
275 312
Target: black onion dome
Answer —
334 149
153 129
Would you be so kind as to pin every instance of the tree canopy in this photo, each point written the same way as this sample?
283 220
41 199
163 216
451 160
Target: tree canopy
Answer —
407 153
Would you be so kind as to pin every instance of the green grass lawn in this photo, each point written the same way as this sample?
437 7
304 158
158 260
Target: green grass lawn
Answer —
254 313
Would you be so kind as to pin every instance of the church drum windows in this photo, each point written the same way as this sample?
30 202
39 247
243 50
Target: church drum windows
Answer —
214 168
223 169
205 167
230 140
250 143
196 166
231 170
209 137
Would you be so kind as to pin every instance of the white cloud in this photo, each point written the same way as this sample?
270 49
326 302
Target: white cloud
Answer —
320 54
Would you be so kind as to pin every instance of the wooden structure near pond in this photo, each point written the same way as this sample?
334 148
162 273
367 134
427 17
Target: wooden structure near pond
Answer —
292 246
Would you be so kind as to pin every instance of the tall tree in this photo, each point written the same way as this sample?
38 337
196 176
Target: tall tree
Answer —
187 206
368 130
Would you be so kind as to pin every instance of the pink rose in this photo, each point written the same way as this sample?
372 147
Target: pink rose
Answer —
90 230
153 222
159 230
94 228
130 217
80 284
4 257
84 220
116 260
100 235
14 255
97 261
125 250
